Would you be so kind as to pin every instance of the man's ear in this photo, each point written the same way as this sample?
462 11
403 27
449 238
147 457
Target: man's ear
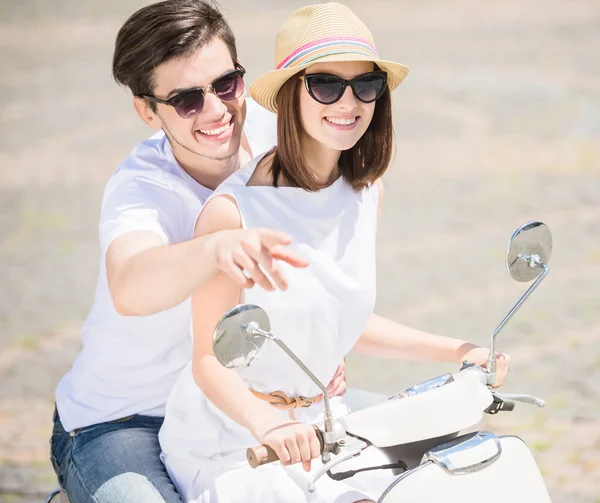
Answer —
142 108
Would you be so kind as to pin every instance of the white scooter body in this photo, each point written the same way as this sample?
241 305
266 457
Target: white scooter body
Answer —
475 466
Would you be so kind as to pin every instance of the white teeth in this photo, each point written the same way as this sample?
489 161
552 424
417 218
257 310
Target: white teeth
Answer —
215 132
341 122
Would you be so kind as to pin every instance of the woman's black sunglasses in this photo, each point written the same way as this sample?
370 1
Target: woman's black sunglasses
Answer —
189 102
327 89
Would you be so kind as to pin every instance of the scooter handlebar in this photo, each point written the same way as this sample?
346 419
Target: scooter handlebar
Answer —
263 454
534 400
509 406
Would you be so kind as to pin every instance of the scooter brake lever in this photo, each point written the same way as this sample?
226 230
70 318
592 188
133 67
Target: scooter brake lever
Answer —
522 398
349 448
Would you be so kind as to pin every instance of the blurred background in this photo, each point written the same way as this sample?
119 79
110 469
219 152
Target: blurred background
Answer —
498 123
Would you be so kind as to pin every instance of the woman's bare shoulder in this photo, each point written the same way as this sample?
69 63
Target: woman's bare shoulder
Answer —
220 213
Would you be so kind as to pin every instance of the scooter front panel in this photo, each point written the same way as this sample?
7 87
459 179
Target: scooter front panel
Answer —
453 407
512 477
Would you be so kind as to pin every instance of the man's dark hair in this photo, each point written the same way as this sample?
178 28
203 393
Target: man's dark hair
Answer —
164 31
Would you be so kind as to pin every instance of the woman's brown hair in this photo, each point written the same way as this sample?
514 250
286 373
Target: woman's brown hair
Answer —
361 165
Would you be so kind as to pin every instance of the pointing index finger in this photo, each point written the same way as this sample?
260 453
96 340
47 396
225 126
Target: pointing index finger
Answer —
280 253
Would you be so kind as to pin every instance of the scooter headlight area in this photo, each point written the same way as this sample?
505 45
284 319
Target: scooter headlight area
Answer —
478 466
421 430
422 426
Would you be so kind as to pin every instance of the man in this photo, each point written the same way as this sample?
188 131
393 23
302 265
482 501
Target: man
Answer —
136 339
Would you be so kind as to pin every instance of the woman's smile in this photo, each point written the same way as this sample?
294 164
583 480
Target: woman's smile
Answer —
342 123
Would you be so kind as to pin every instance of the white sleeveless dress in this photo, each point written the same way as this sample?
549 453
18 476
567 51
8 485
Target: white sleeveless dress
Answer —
320 317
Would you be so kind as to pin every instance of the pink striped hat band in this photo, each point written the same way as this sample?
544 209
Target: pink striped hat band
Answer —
327 46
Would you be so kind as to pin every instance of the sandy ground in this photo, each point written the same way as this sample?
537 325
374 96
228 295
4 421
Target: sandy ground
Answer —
498 123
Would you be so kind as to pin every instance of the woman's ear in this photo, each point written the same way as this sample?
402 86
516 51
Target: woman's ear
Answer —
145 112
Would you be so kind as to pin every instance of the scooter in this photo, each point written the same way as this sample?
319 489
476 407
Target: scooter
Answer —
419 429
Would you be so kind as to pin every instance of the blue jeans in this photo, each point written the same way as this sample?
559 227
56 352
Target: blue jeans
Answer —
114 462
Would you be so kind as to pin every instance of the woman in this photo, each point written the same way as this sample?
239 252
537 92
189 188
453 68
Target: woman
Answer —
322 186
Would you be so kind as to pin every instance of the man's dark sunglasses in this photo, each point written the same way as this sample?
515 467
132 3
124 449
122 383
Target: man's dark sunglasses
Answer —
189 102
327 89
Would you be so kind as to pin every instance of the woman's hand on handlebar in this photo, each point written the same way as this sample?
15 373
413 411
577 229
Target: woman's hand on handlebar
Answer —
479 356
293 442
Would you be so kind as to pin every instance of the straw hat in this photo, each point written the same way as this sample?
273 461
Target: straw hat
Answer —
318 33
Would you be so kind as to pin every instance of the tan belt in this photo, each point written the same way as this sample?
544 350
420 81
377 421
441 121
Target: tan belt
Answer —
281 401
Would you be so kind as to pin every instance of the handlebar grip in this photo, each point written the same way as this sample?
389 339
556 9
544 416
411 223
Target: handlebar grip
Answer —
508 405
263 454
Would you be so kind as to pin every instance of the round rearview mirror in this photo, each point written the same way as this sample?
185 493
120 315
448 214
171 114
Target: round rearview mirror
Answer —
232 345
529 247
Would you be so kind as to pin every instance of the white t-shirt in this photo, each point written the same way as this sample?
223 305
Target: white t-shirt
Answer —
128 364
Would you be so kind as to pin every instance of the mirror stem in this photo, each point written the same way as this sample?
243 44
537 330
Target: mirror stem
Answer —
254 330
491 363
323 389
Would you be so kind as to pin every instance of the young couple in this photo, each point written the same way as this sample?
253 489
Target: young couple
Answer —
208 213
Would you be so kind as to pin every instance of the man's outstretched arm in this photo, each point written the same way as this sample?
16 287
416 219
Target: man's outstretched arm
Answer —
145 276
